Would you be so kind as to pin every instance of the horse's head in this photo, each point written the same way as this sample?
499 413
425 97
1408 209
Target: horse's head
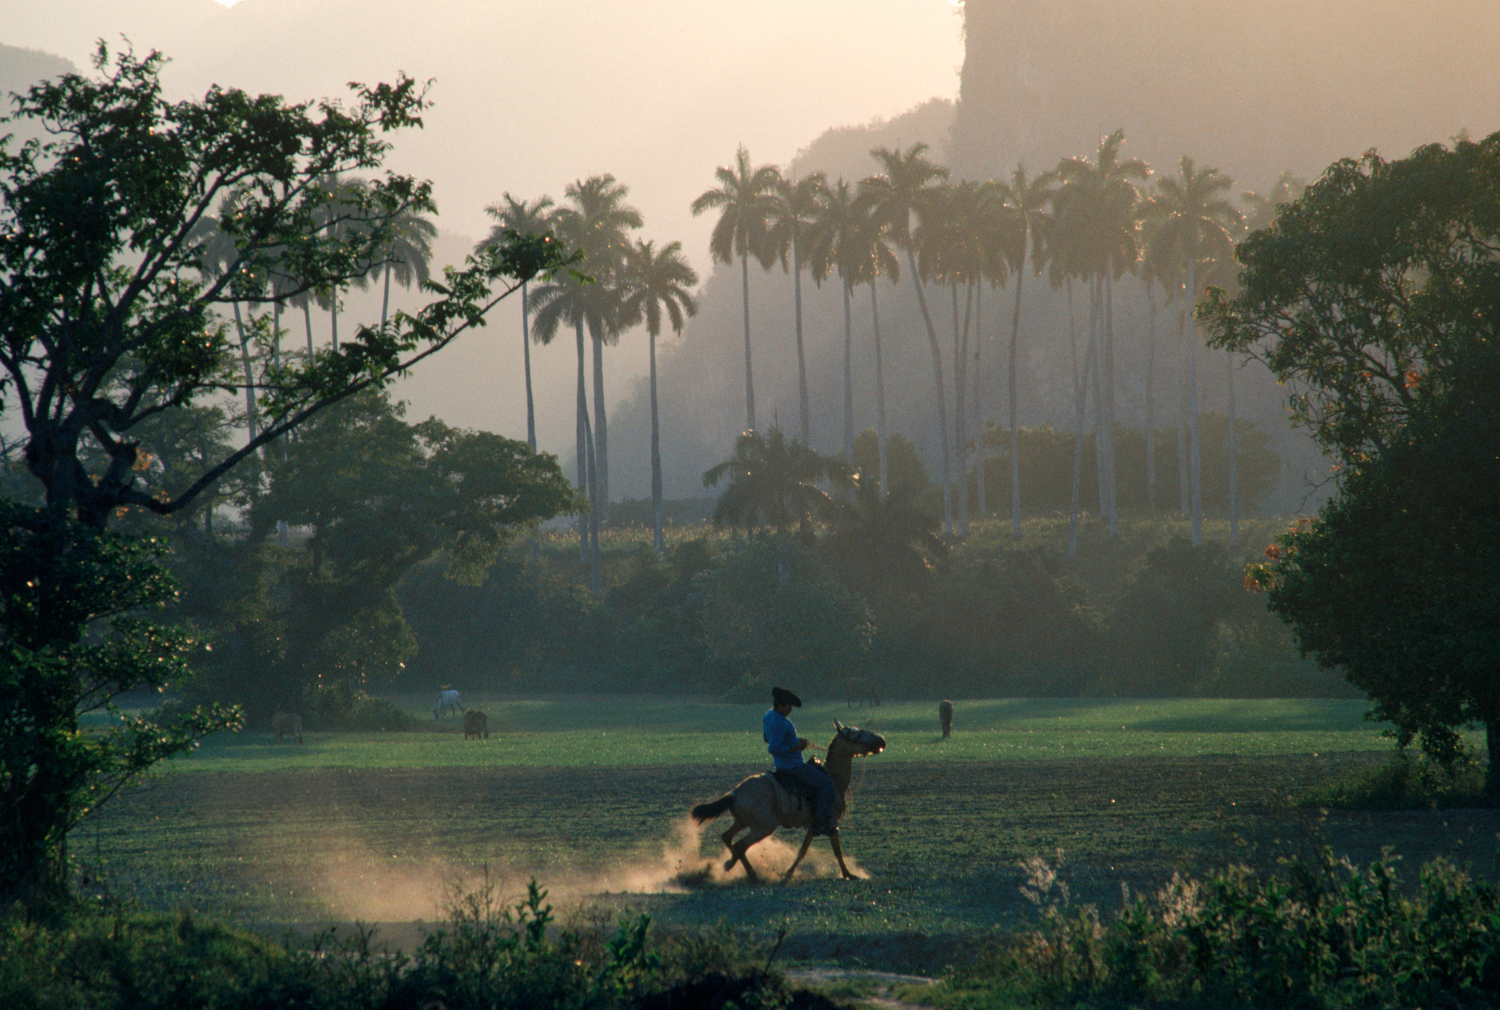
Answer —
860 741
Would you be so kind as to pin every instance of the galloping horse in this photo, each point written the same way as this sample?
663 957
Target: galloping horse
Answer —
763 806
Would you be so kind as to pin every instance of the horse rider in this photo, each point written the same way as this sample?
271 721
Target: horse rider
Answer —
786 749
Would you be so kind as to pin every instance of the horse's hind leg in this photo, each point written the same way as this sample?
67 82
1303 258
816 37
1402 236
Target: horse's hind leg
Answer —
739 849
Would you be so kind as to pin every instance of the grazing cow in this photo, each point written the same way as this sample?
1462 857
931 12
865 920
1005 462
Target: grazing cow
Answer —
861 690
447 702
285 724
476 724
945 716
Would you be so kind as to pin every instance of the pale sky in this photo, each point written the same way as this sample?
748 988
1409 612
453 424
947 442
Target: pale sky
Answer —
529 97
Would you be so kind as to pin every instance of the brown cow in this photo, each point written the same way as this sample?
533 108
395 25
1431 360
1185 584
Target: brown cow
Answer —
285 724
945 716
476 724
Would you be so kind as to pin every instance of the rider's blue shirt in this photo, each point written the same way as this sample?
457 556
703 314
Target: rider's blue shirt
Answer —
781 739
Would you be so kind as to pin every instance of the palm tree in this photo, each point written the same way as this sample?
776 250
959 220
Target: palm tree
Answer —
1023 202
218 254
1195 229
773 480
1264 207
523 218
954 248
797 206
1095 209
656 283
833 244
340 219
871 258
907 188
408 255
746 198
598 219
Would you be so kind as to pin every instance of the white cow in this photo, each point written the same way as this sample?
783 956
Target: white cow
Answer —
447 702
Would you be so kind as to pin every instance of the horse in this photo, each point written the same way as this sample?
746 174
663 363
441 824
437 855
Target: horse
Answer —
945 717
476 724
447 700
861 690
287 724
760 804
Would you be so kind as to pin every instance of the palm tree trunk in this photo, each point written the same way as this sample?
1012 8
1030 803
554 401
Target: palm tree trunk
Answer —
1151 405
385 297
1195 455
1111 472
600 455
1080 420
960 425
885 487
1096 339
252 418
1015 463
749 371
942 392
526 359
979 432
584 450
1234 510
802 399
656 494
1184 495
848 376
593 513
307 321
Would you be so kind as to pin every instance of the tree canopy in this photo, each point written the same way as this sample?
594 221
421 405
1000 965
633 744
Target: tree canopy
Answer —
113 291
1376 294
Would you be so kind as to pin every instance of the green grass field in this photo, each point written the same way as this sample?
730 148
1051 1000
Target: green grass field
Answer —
589 796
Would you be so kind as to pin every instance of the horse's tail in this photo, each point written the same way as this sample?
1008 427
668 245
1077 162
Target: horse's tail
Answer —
705 812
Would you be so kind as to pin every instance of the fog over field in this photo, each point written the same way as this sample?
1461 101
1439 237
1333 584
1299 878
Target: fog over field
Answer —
528 98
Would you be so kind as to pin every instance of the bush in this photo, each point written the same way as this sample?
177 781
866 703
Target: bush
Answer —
1408 781
1319 934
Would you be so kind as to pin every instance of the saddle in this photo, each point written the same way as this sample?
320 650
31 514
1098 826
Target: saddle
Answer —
792 794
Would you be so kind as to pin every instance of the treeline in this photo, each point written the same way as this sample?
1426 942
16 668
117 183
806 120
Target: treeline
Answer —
1150 614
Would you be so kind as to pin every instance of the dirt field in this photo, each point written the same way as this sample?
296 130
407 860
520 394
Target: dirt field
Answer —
939 845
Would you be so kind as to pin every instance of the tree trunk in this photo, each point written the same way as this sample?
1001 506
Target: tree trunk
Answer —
749 371
1234 451
1015 463
526 359
885 487
656 495
942 392
1151 405
1111 474
802 399
1492 773
1080 416
583 447
979 401
1195 460
960 387
600 454
385 297
848 376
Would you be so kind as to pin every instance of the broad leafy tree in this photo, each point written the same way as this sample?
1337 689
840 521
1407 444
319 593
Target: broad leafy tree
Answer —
1375 297
657 288
108 319
746 199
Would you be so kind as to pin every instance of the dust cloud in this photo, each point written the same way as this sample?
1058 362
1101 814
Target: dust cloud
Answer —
358 884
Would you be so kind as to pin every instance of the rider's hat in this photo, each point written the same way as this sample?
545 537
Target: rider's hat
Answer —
781 696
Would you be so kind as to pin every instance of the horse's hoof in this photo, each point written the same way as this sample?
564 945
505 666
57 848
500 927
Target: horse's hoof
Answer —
729 864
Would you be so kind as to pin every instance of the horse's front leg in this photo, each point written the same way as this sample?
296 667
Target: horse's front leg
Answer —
806 843
838 851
